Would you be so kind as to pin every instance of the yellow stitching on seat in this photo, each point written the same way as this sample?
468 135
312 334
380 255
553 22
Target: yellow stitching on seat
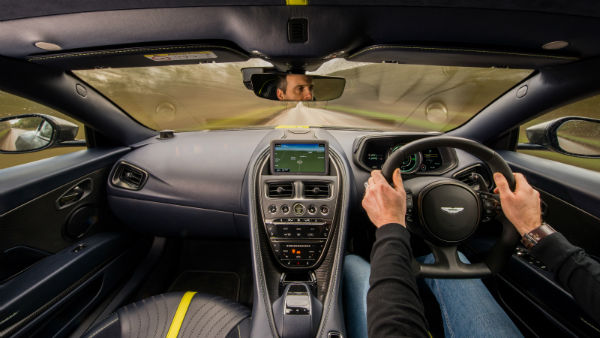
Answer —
180 314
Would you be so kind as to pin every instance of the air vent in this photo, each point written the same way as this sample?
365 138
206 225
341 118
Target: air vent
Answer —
477 177
281 189
316 189
129 177
298 30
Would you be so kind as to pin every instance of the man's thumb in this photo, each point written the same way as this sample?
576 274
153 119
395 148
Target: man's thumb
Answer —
397 180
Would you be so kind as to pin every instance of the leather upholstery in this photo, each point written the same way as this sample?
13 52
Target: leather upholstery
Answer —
207 316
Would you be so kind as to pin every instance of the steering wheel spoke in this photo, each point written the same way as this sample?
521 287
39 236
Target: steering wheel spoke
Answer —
448 265
491 207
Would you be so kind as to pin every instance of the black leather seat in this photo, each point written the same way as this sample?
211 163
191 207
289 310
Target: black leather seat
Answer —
206 316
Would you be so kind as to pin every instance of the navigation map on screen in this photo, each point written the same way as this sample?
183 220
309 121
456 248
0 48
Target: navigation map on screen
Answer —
299 158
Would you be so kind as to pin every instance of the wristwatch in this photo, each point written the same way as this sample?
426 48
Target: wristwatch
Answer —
534 236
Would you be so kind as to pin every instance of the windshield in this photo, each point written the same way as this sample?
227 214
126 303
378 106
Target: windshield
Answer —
380 96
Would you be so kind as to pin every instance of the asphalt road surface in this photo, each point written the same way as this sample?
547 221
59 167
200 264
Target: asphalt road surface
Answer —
8 141
577 148
302 115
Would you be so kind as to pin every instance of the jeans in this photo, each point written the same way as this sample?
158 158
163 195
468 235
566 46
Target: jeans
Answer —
468 309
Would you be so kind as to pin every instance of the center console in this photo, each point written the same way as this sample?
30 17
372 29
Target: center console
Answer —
298 236
298 202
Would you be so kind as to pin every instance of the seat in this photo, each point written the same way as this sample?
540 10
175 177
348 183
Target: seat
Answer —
206 316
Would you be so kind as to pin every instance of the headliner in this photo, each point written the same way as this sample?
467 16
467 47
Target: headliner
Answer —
514 26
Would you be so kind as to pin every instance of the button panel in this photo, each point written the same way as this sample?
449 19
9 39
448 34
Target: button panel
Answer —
298 228
299 225
298 255
301 208
298 242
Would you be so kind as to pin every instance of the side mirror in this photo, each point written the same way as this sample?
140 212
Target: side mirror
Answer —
34 132
575 136
297 87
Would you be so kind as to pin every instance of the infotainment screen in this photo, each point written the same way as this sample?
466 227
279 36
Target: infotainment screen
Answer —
299 157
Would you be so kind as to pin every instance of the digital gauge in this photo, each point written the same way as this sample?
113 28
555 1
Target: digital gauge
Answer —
410 164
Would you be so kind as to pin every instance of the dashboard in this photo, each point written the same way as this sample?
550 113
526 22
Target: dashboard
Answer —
197 185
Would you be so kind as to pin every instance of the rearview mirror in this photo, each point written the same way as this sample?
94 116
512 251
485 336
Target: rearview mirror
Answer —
576 136
297 87
33 132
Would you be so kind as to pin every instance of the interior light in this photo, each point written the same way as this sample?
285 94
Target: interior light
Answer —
47 46
555 45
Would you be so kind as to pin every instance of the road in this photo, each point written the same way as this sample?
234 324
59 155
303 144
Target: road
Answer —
8 141
577 148
302 115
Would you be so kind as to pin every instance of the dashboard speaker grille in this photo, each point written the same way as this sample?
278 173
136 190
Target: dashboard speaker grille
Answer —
316 190
280 189
129 177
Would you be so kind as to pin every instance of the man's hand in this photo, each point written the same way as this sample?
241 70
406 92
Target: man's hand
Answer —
521 207
383 203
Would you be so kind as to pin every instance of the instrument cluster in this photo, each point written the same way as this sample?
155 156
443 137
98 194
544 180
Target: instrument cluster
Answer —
372 152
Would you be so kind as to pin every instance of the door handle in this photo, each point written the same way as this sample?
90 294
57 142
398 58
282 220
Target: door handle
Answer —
75 194
71 196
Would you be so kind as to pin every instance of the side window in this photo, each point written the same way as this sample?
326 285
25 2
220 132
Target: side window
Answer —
12 105
589 107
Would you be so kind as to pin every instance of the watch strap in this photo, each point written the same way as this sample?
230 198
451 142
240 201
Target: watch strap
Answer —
534 236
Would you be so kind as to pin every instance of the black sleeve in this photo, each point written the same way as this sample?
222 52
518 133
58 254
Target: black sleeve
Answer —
574 269
394 308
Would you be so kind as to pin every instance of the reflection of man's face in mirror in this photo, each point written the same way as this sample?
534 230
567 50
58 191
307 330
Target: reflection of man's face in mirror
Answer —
295 87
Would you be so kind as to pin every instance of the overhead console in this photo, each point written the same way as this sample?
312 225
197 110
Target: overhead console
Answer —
298 193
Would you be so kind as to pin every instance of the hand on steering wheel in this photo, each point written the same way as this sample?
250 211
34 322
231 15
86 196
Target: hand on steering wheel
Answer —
383 203
445 212
522 207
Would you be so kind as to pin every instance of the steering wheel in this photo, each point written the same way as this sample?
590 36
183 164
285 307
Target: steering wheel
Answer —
445 212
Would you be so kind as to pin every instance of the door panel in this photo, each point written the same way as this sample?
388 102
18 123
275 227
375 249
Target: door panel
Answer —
61 249
43 225
526 287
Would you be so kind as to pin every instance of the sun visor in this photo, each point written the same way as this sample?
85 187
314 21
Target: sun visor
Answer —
443 56
141 57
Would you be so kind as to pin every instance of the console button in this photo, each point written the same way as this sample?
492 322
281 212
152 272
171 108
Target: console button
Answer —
298 209
285 209
276 248
312 209
272 208
324 210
